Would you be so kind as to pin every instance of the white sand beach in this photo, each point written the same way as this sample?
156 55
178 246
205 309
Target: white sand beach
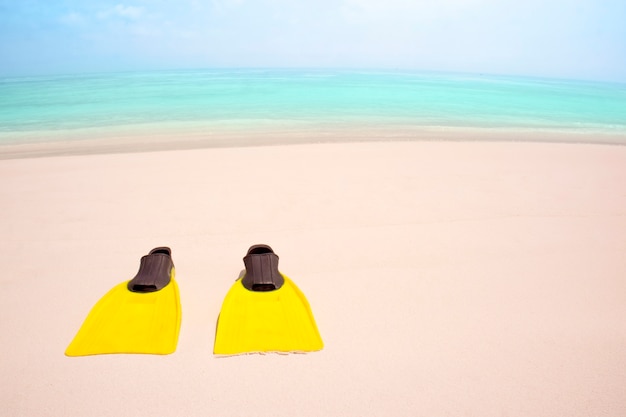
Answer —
446 278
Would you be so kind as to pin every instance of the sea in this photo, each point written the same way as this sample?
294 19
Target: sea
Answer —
39 109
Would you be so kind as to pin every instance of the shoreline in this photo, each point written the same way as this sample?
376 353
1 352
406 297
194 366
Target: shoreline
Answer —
142 141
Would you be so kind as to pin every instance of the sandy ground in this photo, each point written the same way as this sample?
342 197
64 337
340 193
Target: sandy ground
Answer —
447 279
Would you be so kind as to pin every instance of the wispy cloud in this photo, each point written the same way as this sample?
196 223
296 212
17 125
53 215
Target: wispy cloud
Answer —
122 11
73 19
405 10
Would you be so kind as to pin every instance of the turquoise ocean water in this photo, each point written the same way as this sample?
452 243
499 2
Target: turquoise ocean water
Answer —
79 107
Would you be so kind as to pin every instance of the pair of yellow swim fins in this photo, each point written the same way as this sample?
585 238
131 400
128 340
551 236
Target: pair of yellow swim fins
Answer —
263 311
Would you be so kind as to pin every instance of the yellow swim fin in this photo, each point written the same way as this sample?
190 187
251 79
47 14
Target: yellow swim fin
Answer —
138 316
264 311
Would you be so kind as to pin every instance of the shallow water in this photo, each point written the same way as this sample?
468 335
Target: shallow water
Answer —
40 109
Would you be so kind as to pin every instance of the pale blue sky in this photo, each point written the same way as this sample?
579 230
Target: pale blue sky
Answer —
555 38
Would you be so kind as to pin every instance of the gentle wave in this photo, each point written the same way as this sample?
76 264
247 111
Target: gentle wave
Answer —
32 106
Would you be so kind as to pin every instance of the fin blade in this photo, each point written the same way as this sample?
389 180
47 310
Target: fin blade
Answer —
128 322
272 321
